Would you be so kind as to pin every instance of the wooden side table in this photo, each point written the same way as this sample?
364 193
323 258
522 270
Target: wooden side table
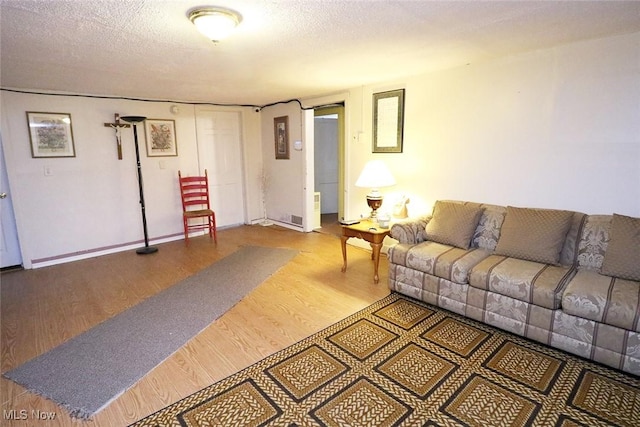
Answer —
372 233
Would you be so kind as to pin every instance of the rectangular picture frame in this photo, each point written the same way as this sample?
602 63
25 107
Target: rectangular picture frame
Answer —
161 138
50 134
281 135
388 121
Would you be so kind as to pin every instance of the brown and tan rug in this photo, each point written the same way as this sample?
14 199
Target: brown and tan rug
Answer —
402 362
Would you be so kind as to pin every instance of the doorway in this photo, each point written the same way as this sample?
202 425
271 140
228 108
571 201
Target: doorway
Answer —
329 167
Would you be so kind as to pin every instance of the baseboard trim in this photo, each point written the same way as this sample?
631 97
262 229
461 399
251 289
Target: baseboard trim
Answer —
104 250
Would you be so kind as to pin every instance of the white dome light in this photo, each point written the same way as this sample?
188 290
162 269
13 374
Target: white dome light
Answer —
215 23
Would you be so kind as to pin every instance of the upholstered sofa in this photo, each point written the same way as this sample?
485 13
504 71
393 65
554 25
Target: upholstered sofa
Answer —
566 279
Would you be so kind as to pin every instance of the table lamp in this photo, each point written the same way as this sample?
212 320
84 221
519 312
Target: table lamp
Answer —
375 175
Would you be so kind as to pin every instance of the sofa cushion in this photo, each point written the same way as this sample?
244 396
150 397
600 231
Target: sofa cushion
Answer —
445 261
397 254
603 299
622 258
534 234
528 281
453 223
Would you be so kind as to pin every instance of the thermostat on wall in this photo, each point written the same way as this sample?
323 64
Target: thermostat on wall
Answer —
297 145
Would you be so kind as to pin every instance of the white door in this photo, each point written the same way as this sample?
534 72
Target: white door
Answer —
220 152
9 246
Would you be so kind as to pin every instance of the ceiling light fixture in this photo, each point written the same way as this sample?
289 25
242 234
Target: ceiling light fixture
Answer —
216 23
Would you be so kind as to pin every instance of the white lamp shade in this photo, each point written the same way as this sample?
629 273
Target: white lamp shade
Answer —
375 175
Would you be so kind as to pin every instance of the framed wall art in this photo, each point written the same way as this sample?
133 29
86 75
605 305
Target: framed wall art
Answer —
50 134
161 138
281 131
388 121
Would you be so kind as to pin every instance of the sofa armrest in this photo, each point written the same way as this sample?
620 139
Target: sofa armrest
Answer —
411 231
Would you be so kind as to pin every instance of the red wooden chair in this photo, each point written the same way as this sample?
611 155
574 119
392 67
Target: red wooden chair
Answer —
194 191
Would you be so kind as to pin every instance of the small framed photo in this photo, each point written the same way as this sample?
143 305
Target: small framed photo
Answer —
388 121
50 134
161 138
281 131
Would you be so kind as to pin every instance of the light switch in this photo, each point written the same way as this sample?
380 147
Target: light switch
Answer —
47 171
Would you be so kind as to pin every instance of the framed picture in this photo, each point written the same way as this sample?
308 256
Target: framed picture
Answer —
161 138
50 134
388 121
281 130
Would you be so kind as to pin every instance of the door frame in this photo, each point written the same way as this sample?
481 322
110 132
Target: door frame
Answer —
13 256
308 116
339 111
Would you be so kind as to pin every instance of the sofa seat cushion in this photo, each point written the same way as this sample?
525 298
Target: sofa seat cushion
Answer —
437 259
603 299
528 281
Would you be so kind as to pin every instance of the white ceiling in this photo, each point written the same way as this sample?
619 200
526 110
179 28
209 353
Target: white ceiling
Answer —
283 49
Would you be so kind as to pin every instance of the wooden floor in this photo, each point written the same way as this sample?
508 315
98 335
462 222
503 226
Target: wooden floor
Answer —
329 224
42 308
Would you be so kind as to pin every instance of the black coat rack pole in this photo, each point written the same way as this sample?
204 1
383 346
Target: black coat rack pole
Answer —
134 120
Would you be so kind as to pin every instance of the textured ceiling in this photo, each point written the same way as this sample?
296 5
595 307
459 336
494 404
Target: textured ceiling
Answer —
283 49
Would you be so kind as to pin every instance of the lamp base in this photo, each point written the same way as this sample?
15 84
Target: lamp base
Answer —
374 203
146 250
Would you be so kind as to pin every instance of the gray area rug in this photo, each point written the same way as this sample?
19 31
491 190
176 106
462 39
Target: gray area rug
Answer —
89 371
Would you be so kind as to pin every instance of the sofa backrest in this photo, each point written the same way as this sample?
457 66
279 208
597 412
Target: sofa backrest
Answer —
488 232
593 242
569 253
488 229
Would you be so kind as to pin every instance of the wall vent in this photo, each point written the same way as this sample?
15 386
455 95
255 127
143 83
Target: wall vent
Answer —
295 219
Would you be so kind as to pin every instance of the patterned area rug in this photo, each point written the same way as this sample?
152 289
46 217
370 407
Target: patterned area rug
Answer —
402 362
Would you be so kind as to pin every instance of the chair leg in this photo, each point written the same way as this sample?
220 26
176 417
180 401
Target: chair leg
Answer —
213 232
213 228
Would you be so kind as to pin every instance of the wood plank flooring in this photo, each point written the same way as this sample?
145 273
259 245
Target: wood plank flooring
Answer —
42 308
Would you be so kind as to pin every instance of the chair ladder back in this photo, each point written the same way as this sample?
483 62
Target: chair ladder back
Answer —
194 191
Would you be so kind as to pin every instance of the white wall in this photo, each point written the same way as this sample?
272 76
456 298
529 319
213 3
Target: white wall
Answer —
285 179
558 128
90 204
